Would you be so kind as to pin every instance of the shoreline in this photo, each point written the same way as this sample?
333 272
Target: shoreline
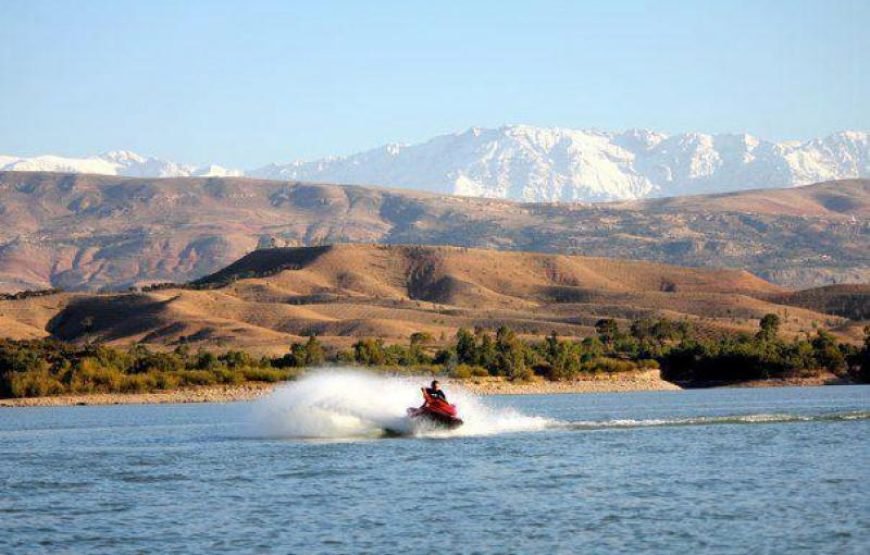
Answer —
205 394
649 380
635 381
646 380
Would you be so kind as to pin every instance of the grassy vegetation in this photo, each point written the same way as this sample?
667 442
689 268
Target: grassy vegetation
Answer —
683 355
38 368
49 367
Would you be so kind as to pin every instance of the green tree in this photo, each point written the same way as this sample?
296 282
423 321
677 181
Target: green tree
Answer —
664 330
607 330
314 353
563 358
416 355
683 330
236 359
370 352
590 348
510 355
466 347
642 329
206 360
552 347
826 352
768 327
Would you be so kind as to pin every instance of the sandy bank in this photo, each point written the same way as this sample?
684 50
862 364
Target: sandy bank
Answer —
649 380
208 394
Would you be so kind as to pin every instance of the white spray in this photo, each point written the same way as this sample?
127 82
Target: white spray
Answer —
344 403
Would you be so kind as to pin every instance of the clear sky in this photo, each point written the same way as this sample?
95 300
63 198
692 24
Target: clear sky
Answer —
246 83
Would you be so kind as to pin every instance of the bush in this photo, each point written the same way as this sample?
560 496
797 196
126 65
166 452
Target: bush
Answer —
466 371
166 382
479 372
89 376
523 374
370 352
34 384
609 365
227 376
196 377
270 375
139 383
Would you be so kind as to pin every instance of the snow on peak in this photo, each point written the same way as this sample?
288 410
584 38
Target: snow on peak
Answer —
528 163
213 170
123 157
116 162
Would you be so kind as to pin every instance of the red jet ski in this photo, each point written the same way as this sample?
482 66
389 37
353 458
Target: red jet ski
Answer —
437 411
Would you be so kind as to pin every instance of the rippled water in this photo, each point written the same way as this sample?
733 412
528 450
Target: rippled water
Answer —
715 471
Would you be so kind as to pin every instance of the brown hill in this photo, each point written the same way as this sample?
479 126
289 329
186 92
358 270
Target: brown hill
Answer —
84 232
849 300
273 296
825 200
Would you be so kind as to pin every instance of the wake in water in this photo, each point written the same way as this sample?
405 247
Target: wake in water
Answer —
344 403
762 418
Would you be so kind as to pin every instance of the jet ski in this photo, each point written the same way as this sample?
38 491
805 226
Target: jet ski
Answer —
436 411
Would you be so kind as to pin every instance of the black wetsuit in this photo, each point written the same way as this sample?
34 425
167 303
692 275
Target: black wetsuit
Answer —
436 393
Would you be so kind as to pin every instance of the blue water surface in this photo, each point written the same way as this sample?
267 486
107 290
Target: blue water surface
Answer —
783 470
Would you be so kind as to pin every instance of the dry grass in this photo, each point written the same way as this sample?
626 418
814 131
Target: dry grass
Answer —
851 196
350 291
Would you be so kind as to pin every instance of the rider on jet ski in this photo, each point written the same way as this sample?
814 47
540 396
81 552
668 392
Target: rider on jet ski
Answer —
434 390
435 408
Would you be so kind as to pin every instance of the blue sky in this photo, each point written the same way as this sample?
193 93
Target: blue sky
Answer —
247 83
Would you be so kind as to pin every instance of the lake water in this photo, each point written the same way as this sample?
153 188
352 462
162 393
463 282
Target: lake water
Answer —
706 471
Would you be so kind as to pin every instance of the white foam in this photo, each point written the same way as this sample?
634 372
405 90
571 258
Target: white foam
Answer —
346 403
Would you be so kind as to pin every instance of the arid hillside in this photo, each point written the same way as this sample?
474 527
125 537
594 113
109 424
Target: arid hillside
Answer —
84 232
274 296
849 300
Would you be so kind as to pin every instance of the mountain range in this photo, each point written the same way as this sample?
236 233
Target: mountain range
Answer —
90 232
533 164
118 162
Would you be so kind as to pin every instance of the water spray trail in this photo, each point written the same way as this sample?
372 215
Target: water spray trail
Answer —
345 403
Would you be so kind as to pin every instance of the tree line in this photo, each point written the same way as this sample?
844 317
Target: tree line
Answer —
684 355
51 367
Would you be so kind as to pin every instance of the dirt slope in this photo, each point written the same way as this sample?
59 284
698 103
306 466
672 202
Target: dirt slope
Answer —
274 296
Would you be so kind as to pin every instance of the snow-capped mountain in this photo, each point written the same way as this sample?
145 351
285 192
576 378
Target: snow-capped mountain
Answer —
528 163
119 162
538 164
